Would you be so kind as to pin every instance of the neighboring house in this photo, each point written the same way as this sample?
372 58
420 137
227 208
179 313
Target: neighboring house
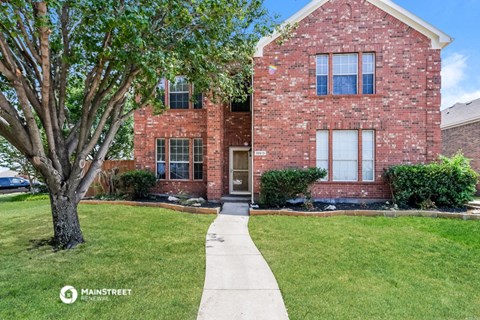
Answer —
354 89
461 132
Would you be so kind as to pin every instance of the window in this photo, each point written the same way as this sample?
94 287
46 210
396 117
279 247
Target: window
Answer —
368 152
179 159
161 91
322 150
243 106
368 72
322 75
198 101
179 93
161 167
345 73
344 153
198 159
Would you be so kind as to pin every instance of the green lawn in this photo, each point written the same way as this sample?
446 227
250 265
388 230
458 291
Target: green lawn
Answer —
373 268
157 253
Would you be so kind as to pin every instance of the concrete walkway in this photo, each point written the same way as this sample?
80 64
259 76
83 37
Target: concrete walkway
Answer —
238 282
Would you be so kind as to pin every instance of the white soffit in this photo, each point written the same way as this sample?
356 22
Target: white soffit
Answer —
439 39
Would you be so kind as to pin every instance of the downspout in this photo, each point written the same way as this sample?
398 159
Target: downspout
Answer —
252 152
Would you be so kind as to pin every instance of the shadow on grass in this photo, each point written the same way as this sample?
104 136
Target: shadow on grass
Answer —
36 244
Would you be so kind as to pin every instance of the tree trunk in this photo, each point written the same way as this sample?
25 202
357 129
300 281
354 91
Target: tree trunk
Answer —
67 232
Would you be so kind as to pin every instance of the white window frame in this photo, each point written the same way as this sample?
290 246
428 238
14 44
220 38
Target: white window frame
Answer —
170 92
323 151
164 157
335 160
372 155
369 73
171 161
317 74
344 73
196 161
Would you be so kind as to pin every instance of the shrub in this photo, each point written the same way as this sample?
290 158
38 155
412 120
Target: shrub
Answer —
278 186
449 182
136 184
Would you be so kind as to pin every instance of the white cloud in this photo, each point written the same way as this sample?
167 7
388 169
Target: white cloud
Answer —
456 86
453 70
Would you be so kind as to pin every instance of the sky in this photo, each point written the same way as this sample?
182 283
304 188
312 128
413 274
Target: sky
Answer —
460 60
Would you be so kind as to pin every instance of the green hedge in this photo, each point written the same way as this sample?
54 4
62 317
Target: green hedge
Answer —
136 184
449 182
278 186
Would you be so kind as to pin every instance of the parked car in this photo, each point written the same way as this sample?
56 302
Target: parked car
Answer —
14 184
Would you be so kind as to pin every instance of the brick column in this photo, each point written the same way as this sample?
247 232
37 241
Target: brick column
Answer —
433 116
214 159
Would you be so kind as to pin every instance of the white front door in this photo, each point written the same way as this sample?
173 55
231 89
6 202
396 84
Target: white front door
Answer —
240 166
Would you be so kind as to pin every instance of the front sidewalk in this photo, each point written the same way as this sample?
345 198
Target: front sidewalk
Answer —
238 283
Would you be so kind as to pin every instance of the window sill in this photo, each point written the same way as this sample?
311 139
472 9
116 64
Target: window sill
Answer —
179 180
349 96
183 110
351 182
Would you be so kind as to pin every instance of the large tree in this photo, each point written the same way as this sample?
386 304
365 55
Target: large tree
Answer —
116 51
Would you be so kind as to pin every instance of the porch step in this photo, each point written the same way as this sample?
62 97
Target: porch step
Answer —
236 199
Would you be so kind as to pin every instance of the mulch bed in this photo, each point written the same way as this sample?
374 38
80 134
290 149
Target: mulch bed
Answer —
378 206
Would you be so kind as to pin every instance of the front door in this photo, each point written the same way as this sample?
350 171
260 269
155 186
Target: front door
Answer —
240 164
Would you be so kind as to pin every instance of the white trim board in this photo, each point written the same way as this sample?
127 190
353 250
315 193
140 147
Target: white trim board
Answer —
439 39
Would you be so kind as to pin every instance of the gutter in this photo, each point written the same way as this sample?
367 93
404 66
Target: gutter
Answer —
459 123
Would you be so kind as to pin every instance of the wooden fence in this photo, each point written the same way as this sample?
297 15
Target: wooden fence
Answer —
101 184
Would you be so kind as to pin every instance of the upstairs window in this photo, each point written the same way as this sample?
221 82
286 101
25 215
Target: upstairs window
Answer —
345 73
322 75
161 91
368 73
243 106
338 74
179 93
198 101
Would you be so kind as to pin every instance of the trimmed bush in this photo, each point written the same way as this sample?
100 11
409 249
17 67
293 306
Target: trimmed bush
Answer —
278 186
136 184
449 182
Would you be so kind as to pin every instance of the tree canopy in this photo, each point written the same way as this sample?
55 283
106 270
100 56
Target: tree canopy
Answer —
72 72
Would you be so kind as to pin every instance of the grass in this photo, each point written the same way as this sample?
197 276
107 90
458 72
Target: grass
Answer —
24 197
159 254
373 268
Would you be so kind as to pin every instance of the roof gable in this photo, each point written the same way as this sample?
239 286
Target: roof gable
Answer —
439 38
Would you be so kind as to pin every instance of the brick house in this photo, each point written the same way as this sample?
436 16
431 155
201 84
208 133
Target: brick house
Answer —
461 132
354 89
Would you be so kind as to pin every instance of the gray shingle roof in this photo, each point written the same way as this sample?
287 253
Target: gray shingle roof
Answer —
460 114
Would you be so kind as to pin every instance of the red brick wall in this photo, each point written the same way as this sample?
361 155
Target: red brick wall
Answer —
171 124
464 138
404 112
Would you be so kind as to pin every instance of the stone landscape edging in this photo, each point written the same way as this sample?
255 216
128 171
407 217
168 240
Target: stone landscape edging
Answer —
171 206
366 213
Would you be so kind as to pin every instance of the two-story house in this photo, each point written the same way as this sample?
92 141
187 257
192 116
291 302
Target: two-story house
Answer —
354 89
